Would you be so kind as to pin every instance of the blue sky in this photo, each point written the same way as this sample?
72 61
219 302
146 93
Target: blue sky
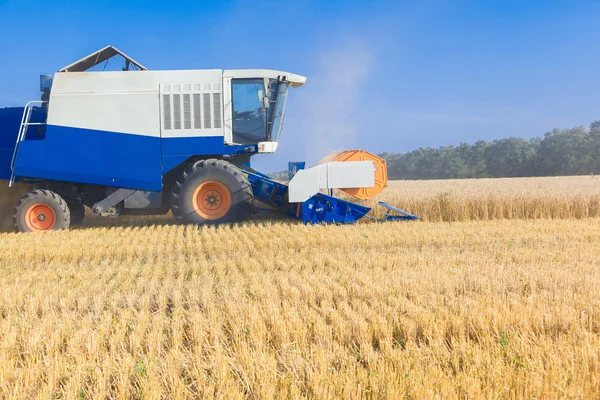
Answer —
382 75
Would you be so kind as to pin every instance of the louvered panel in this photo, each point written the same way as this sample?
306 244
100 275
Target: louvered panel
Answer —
177 111
217 109
197 111
191 109
207 113
187 114
166 111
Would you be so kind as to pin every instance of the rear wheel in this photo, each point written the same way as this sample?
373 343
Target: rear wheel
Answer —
41 211
212 192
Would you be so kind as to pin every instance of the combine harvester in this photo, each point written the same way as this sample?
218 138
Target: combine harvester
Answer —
139 142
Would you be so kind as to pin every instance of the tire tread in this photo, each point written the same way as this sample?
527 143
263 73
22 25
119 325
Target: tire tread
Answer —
48 197
194 168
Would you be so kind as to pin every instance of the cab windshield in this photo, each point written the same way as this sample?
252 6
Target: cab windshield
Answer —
257 113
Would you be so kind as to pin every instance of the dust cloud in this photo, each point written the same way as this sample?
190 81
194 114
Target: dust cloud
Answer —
8 200
332 117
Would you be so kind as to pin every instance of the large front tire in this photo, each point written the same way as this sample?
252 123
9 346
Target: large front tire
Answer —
41 211
212 192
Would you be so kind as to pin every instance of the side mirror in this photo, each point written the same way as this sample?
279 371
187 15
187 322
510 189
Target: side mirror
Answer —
263 97
261 94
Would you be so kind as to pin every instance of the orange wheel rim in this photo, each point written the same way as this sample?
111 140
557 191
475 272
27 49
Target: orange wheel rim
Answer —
211 200
40 217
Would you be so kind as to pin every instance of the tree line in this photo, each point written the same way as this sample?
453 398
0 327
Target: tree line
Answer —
573 151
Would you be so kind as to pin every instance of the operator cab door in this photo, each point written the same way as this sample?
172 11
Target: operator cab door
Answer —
249 111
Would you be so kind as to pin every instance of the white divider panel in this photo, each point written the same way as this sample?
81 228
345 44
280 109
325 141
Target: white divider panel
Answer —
332 175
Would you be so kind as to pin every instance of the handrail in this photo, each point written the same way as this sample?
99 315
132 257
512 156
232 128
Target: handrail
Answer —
27 111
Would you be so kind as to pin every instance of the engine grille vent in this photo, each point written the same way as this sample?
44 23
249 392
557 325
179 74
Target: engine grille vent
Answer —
190 107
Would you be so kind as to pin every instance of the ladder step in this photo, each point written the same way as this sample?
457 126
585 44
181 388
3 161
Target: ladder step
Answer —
25 123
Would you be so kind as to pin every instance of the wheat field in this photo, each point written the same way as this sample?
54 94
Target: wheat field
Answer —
145 308
449 200
503 198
